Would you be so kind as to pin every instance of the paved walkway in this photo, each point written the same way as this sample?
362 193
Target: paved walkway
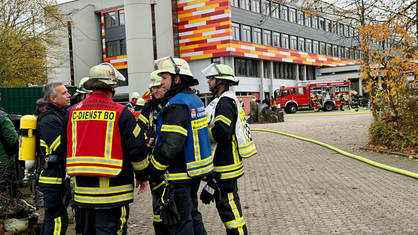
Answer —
297 187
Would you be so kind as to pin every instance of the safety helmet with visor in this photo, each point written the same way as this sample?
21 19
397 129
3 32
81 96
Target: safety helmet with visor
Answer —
155 79
222 72
103 76
175 66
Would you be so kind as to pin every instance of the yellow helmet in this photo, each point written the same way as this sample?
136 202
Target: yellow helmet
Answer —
81 89
175 66
103 76
155 80
220 71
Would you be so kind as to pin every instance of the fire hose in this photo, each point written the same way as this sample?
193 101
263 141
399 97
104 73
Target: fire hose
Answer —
370 162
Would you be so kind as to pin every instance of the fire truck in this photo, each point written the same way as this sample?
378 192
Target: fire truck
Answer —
300 97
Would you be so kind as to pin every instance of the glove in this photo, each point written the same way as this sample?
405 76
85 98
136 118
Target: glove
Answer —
169 213
211 191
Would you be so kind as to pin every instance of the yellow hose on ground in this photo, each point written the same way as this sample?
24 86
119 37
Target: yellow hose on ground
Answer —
389 168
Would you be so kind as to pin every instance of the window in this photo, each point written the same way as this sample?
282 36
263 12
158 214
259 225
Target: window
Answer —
321 23
335 53
301 44
352 54
329 25
276 39
255 6
256 35
302 90
115 48
357 55
342 52
308 20
124 72
284 13
322 48
341 30
267 37
335 27
114 18
347 53
293 91
111 49
246 33
293 43
292 15
329 49
301 19
252 68
240 67
284 93
315 22
275 10
308 45
346 31
266 67
234 3
244 4
216 60
235 31
285 41
315 47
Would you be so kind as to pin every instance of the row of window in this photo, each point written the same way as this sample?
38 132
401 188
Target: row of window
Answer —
250 68
116 48
286 13
114 18
270 38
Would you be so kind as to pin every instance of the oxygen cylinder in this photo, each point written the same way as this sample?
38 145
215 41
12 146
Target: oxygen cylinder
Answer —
27 143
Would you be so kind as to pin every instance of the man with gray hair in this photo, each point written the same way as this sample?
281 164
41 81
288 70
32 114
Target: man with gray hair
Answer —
52 160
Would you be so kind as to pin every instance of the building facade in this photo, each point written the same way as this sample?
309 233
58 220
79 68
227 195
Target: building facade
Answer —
269 44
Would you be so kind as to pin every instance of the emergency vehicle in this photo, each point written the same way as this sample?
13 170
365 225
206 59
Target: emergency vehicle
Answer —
300 97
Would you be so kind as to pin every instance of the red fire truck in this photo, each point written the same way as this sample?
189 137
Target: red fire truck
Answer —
300 97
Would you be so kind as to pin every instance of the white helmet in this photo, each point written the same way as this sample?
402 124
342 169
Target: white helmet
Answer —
16 225
220 71
103 76
135 95
140 102
155 80
175 66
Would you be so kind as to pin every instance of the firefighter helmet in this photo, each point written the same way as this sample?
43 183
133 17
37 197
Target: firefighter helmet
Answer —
140 102
155 80
135 95
220 71
103 76
81 89
175 66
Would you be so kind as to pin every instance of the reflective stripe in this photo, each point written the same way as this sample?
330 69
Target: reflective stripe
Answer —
107 190
55 144
109 138
239 220
157 165
140 165
49 180
228 167
103 199
158 186
203 167
178 176
122 219
137 130
47 149
143 119
174 128
93 160
157 218
196 145
231 175
93 166
235 153
223 119
57 226
74 139
87 170
247 150
211 136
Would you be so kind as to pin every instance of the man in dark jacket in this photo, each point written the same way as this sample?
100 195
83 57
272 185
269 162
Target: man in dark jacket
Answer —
52 178
267 101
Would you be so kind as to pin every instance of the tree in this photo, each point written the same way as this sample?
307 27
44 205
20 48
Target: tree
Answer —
27 29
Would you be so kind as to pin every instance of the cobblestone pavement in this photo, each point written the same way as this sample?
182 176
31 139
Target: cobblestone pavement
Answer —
297 187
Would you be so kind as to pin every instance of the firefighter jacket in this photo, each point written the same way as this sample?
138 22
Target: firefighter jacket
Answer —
104 147
230 135
8 137
130 105
52 157
182 147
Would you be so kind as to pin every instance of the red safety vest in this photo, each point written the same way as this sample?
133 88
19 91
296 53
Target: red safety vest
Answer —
94 141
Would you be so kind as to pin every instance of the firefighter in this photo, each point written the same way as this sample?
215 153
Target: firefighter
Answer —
342 99
355 101
102 136
182 152
338 101
231 141
52 180
134 99
148 120
315 103
273 103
